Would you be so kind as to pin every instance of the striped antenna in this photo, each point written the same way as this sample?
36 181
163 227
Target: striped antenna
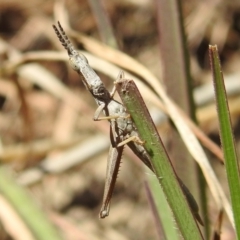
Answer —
64 39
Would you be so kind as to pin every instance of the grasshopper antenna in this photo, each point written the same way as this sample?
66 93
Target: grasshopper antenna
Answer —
64 39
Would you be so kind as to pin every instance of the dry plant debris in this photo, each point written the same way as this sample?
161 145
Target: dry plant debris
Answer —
45 112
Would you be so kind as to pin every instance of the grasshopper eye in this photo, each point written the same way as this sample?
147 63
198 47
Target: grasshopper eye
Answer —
84 58
73 63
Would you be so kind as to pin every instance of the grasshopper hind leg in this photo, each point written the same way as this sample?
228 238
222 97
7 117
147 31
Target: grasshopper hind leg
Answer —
114 159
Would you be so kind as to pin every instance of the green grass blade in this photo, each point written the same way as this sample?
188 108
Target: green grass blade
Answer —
160 160
33 217
163 210
226 135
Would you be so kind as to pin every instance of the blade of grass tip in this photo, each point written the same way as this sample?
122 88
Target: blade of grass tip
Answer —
103 22
40 227
226 135
162 166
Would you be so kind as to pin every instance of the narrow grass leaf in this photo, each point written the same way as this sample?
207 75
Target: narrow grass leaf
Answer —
161 164
104 25
226 135
163 210
39 225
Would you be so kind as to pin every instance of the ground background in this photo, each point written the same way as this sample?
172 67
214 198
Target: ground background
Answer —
30 114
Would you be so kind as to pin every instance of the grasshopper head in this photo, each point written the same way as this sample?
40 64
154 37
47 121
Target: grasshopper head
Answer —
77 61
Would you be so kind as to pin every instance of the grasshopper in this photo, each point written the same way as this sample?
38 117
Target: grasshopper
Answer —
122 129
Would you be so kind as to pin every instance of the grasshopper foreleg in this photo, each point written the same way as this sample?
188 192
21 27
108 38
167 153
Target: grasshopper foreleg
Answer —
96 116
119 77
98 112
135 139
